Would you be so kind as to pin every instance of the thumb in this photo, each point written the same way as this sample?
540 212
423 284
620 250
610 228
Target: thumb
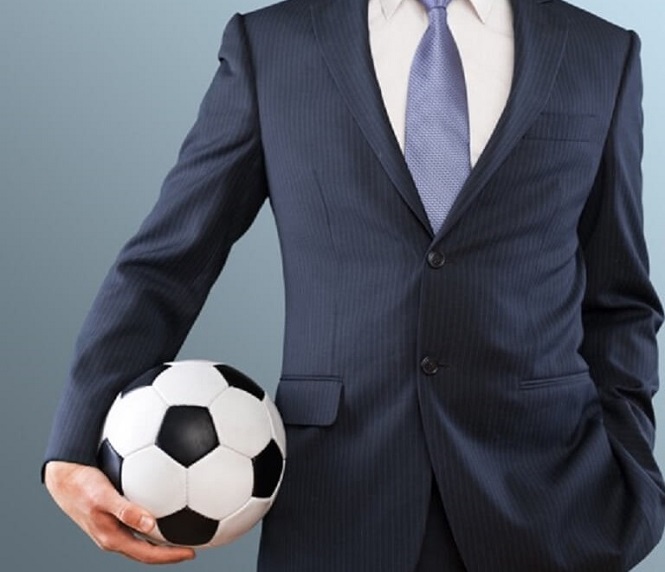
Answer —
132 515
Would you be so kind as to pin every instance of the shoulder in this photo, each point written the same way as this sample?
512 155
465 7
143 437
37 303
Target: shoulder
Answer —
284 26
282 12
582 21
599 41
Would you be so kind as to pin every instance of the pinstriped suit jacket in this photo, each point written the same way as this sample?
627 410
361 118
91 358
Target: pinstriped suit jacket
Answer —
512 355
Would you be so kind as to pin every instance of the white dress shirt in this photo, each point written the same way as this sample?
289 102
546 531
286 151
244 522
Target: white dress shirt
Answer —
483 31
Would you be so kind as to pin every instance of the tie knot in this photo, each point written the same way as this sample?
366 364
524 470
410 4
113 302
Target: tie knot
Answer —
432 4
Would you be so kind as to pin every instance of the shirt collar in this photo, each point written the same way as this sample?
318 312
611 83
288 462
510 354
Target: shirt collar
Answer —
481 7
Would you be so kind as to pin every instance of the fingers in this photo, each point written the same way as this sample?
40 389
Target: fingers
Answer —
110 535
134 517
131 515
86 495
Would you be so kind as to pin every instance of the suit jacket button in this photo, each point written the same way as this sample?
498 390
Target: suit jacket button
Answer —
429 366
436 259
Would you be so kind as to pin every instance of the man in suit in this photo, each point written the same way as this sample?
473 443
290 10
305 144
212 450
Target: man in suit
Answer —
470 341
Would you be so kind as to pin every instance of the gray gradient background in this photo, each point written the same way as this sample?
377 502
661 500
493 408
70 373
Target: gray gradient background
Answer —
95 98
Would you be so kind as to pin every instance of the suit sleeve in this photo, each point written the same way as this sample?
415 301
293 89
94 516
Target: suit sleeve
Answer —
621 312
161 278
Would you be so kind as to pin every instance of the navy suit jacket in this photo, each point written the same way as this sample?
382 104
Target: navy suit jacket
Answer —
512 355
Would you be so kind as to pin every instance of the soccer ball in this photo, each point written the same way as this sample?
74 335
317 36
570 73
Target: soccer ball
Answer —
200 446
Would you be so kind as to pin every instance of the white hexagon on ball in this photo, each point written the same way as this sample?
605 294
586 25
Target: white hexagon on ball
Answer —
242 421
155 481
241 521
172 383
220 483
278 432
134 420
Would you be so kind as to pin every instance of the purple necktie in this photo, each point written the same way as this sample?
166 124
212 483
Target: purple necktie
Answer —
437 117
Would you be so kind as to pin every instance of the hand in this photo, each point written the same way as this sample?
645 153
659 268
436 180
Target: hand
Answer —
90 500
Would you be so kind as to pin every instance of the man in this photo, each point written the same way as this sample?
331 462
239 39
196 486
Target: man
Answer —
470 352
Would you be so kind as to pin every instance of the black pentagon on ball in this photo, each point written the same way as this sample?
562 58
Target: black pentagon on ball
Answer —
238 379
110 462
145 379
187 527
187 434
268 465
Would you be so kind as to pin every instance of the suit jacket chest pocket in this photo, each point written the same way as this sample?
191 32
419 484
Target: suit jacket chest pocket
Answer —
579 128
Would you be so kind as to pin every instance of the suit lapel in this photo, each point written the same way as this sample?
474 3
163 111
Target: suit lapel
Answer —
341 29
540 39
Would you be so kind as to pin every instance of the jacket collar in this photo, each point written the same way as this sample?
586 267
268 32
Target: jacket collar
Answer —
341 29
481 7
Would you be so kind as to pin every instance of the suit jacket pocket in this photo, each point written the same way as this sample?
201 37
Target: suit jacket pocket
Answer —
564 127
572 379
309 400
